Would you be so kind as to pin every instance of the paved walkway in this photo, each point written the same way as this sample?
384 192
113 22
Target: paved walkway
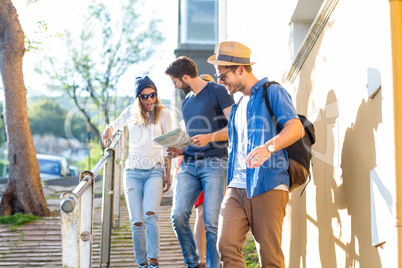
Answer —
38 244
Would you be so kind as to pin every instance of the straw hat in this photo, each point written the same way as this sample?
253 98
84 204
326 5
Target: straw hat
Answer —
231 53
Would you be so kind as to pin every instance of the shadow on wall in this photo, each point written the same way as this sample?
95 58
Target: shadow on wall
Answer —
324 160
357 160
342 204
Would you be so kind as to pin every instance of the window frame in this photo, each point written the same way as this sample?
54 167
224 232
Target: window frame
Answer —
184 26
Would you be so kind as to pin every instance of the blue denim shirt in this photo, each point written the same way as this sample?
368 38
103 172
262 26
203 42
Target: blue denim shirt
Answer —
261 128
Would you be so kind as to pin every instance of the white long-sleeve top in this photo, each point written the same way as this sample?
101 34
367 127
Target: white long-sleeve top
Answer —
143 152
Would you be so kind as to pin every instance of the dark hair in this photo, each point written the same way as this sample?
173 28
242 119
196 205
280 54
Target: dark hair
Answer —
247 68
182 66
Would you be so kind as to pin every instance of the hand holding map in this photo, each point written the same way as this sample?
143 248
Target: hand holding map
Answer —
176 138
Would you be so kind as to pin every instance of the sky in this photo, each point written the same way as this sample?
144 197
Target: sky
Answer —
61 15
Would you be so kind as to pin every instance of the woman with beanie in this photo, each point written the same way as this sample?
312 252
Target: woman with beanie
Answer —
147 173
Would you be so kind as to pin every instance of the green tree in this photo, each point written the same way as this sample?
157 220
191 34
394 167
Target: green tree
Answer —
3 137
24 191
95 154
47 117
105 51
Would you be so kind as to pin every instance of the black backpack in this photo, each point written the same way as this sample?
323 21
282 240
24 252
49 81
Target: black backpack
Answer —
299 153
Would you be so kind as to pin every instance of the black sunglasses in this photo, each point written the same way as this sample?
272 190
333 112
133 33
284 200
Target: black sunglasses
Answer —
222 76
146 96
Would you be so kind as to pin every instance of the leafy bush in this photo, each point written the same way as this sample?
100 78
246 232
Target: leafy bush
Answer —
96 153
4 168
250 254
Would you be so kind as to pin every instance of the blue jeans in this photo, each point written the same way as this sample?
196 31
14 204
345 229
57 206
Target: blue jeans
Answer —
143 189
210 175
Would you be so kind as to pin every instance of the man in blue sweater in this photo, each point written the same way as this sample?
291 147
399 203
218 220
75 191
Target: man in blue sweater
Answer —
204 166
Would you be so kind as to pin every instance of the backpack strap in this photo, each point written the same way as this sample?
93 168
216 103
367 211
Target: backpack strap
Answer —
186 99
265 97
223 122
278 128
212 96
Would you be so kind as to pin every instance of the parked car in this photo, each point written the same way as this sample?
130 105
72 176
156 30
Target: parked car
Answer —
74 171
52 167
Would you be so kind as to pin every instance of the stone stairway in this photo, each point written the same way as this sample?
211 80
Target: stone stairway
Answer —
38 244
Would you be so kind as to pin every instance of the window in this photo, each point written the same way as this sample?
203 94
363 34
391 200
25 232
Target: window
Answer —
303 17
199 21
306 24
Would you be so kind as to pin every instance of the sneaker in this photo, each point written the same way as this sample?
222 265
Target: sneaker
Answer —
154 266
143 265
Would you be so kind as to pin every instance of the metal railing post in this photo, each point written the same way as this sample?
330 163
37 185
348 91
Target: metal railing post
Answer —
76 223
124 152
116 186
70 231
86 206
106 218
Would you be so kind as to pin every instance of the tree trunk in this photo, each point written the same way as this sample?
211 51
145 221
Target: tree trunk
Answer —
24 191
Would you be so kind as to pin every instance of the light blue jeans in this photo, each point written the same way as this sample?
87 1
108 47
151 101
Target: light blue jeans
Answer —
143 189
210 175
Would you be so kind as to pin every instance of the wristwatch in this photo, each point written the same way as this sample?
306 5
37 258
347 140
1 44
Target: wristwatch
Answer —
271 148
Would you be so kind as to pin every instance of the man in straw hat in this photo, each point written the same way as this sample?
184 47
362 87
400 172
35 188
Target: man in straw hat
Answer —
258 181
204 165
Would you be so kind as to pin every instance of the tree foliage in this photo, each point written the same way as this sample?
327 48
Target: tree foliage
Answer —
3 137
105 51
47 117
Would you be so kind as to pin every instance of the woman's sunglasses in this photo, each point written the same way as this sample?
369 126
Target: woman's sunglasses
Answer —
146 96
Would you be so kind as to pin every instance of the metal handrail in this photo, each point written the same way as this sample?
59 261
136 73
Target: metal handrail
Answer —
77 208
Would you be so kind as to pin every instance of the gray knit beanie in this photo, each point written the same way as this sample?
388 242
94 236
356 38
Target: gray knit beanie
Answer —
141 83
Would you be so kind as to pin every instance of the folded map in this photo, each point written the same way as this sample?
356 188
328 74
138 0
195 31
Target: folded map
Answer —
176 138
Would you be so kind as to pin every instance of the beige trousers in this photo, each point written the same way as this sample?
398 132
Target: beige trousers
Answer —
262 214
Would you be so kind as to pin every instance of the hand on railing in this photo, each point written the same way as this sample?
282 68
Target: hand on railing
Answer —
107 134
